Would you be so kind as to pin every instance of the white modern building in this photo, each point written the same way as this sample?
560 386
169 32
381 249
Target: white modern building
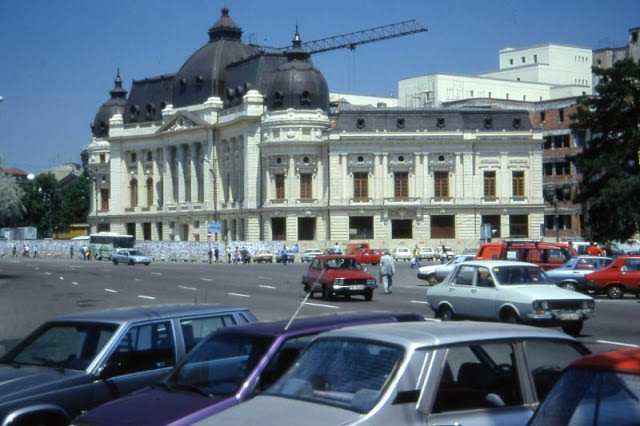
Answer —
247 139
532 74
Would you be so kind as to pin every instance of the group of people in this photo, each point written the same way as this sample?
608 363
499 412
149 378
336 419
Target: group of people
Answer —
594 250
26 251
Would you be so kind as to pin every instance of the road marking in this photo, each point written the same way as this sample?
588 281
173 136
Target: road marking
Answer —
74 283
608 342
238 294
322 305
156 273
137 279
62 278
141 296
206 279
108 290
187 288
47 273
420 302
265 278
267 286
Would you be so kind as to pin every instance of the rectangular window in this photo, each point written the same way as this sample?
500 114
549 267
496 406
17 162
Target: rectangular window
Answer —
548 169
279 187
519 226
490 184
543 116
441 182
133 195
104 199
518 183
401 184
361 186
561 115
305 186
443 226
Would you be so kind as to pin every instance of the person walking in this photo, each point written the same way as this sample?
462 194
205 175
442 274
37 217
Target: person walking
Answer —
387 270
216 254
71 251
35 251
284 255
416 257
210 254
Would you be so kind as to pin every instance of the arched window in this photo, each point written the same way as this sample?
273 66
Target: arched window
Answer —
149 192
133 195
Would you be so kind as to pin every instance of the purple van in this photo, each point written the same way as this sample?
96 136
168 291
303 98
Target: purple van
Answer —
228 367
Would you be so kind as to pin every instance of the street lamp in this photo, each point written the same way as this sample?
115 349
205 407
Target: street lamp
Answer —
552 196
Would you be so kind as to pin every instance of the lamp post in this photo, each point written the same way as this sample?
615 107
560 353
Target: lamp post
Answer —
552 196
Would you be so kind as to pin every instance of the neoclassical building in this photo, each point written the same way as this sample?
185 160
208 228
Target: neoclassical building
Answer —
248 140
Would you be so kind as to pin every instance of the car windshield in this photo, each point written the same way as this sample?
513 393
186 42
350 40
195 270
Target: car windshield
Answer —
134 253
598 398
219 365
342 263
65 345
517 275
325 374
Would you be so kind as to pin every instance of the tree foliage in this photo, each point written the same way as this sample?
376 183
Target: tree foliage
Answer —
11 208
609 162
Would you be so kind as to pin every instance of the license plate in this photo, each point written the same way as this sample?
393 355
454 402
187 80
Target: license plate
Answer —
356 287
570 316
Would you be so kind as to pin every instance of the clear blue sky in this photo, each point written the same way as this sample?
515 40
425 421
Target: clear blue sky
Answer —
58 59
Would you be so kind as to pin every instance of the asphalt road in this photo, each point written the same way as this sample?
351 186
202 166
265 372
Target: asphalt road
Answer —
34 290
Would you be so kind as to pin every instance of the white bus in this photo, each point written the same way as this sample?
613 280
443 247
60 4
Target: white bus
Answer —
103 244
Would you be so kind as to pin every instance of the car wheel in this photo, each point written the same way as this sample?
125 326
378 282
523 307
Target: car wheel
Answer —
368 295
573 328
147 264
326 294
131 263
115 262
511 317
615 292
445 313
569 286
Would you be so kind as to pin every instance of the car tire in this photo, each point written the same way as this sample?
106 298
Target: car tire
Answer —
573 328
147 264
368 295
115 262
615 292
445 313
131 263
510 317
569 285
326 294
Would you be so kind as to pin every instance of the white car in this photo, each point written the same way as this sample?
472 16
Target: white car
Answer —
130 257
427 253
508 291
402 253
438 272
309 254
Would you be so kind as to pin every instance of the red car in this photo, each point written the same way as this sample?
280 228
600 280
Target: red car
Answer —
622 275
338 275
368 255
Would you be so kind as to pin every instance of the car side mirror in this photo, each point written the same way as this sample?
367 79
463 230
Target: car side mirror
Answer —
624 269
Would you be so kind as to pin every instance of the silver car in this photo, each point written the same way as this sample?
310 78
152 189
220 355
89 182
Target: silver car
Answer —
429 373
130 257
438 272
516 292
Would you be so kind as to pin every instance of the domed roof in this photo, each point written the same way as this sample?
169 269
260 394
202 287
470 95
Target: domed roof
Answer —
204 74
297 83
115 105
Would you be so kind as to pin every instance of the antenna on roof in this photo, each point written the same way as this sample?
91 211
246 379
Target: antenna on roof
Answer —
306 297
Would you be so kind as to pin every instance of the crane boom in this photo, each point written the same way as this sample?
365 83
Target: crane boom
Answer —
351 40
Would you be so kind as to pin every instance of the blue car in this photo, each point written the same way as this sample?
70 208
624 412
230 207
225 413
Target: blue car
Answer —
572 274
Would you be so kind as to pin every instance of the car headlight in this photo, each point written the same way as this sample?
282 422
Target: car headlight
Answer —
338 281
371 281
589 305
540 306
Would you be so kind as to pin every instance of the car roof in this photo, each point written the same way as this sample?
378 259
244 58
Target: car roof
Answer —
335 256
624 360
495 263
435 333
322 322
140 313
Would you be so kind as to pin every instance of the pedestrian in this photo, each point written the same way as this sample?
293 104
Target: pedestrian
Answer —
416 257
210 253
71 251
594 250
35 251
15 251
25 250
387 269
284 254
337 249
445 257
229 254
216 254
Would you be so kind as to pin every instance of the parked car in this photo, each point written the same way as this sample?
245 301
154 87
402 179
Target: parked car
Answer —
263 255
368 255
546 255
621 276
229 367
436 273
572 274
352 248
427 253
338 275
130 257
75 362
402 253
423 373
309 254
517 292
447 253
291 257
596 390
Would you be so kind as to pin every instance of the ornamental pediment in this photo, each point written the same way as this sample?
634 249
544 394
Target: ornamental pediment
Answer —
182 120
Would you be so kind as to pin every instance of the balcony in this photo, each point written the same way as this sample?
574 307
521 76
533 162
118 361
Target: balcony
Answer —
401 201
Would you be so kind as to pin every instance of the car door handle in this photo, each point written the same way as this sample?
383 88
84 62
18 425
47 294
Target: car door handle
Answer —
474 290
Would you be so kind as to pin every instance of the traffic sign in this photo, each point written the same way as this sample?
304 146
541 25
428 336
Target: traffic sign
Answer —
214 227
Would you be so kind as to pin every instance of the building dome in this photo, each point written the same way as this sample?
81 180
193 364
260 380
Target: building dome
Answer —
115 105
297 83
204 74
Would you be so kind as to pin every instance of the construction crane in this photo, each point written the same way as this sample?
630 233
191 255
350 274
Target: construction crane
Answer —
351 40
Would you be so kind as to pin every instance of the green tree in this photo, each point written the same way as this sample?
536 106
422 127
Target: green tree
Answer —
42 202
609 162
74 206
11 207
